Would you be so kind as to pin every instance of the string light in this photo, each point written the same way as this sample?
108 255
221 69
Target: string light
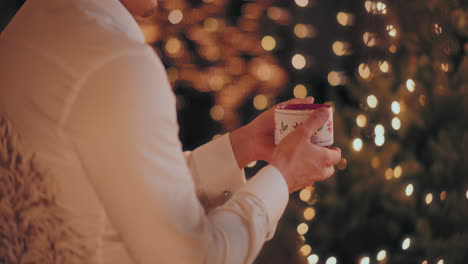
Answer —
260 102
409 189
429 198
357 144
313 259
443 195
302 3
173 46
305 250
406 243
305 195
379 130
336 78
300 91
389 174
298 61
309 213
364 260
392 48
372 101
396 123
438 29
397 171
384 66
379 140
268 43
395 107
444 67
340 48
466 194
381 255
304 31
175 16
369 39
392 31
345 19
331 260
364 70
410 85
302 228
361 120
217 112
441 261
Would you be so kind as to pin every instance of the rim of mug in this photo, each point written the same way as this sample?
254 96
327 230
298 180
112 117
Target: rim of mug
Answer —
301 107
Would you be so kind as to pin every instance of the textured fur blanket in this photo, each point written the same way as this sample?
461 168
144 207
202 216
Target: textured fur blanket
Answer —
33 228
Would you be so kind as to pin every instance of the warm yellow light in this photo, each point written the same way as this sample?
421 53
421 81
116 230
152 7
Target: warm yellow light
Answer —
372 101
365 260
396 123
441 261
395 107
302 228
388 174
384 66
379 130
375 162
309 213
173 45
443 195
331 260
444 67
305 250
392 48
381 255
305 195
406 243
369 39
409 189
304 31
398 171
429 198
312 259
345 19
336 78
369 5
466 194
268 43
392 31
340 48
424 262
210 24
438 29
252 164
217 112
364 70
381 7
410 85
300 91
361 120
379 140
357 144
175 16
264 72
298 61
302 3
260 102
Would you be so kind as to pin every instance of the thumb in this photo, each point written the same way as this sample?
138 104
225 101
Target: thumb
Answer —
315 121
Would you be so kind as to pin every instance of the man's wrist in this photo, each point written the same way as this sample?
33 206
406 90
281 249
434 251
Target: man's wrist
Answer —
241 143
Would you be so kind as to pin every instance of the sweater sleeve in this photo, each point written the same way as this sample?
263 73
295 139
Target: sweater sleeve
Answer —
122 125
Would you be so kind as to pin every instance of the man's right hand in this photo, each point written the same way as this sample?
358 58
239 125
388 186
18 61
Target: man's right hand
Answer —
299 160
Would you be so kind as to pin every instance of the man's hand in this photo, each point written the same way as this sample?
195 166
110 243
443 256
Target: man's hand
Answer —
256 140
299 160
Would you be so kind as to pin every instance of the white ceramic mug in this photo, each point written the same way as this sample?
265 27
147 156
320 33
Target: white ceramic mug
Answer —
289 116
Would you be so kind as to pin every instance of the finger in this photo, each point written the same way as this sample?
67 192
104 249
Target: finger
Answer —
333 156
307 100
328 172
315 121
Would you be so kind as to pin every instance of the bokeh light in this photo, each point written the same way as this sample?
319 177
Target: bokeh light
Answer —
396 123
409 189
313 259
175 16
345 19
305 195
252 164
336 78
340 48
392 31
260 102
379 140
410 85
384 66
217 112
372 101
369 39
268 43
381 255
397 172
364 70
406 243
365 260
298 61
379 130
395 107
331 260
302 228
305 250
300 91
361 120
389 173
429 198
302 3
309 213
357 144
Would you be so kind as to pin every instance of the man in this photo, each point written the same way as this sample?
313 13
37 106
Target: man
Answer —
91 99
